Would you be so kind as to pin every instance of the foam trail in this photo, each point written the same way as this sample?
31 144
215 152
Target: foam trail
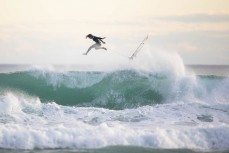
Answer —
49 125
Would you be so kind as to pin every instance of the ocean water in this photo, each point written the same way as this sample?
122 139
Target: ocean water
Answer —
47 109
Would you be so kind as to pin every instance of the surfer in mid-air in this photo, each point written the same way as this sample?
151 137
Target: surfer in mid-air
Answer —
97 44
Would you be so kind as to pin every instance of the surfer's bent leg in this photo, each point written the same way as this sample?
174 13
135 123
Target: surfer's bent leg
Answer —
93 46
98 46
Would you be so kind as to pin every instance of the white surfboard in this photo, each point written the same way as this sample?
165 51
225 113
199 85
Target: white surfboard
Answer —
138 49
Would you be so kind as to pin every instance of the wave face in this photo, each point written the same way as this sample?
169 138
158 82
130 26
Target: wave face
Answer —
72 109
114 90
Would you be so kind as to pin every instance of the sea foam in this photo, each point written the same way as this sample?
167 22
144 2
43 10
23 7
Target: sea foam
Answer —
49 125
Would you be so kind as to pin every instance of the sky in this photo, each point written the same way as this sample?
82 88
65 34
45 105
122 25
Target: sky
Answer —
53 31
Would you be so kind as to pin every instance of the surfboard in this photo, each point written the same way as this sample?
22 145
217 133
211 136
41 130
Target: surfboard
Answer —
138 49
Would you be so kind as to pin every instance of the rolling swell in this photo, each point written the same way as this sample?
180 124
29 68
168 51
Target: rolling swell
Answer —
114 90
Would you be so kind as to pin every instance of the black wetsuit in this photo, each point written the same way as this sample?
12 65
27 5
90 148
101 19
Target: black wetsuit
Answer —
98 40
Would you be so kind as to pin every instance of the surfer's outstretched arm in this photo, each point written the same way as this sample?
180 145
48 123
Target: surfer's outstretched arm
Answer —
100 39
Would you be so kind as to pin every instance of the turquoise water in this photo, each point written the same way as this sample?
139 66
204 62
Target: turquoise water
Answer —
117 111
97 89
111 90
